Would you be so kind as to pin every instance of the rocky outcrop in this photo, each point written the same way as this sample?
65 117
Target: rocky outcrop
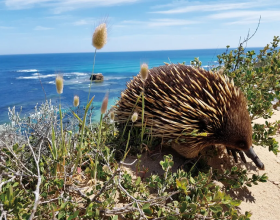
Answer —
97 77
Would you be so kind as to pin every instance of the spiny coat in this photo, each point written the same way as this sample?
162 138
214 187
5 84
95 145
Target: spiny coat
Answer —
180 99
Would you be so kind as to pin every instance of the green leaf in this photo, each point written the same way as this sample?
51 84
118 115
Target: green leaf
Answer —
146 206
61 214
235 202
193 208
146 209
159 213
63 204
183 207
248 214
216 208
115 217
138 181
192 181
74 215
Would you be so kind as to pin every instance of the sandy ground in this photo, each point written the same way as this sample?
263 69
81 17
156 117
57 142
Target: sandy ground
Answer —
262 200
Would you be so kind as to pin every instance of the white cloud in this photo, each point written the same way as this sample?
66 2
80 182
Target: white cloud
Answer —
247 17
41 28
84 22
63 5
179 7
207 7
80 22
6 27
59 17
161 22
20 4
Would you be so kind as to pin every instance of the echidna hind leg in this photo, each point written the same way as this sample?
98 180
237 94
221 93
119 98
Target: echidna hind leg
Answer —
186 150
189 161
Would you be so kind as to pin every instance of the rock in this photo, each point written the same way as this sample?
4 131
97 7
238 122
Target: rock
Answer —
97 77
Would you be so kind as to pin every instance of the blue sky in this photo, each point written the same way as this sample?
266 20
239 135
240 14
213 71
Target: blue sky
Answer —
62 26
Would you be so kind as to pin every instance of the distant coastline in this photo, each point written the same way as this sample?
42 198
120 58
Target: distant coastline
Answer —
90 52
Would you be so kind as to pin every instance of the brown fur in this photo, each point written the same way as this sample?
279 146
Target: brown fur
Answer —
179 99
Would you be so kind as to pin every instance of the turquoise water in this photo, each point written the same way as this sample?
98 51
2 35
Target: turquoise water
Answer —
20 85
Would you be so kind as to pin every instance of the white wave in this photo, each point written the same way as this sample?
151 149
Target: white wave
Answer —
27 71
78 74
116 77
35 75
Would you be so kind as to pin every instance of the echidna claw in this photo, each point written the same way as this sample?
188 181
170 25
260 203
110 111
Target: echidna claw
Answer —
249 153
234 154
241 154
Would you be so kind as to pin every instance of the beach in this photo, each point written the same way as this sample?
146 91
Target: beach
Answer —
263 200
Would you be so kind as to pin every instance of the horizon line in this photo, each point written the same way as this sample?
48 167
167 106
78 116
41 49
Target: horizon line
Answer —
122 51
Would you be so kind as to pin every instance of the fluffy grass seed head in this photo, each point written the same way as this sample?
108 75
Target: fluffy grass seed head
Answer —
144 71
59 84
99 38
76 101
134 117
104 104
221 70
112 115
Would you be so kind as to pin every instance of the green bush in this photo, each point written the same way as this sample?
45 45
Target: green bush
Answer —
258 76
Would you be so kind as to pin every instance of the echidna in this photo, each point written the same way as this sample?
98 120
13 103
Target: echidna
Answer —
180 99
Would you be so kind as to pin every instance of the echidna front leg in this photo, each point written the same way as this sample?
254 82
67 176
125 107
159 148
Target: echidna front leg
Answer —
250 153
234 154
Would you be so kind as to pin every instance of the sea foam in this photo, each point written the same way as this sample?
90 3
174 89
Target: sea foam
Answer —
35 75
27 71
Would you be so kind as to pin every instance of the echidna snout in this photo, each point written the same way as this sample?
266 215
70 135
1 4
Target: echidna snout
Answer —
253 156
180 99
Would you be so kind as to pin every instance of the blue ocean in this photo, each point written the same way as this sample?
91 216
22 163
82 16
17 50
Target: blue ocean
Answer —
20 85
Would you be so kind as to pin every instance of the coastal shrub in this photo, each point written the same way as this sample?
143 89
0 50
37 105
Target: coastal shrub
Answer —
258 76
50 185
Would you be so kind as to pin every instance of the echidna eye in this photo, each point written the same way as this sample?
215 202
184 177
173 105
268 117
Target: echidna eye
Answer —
241 144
